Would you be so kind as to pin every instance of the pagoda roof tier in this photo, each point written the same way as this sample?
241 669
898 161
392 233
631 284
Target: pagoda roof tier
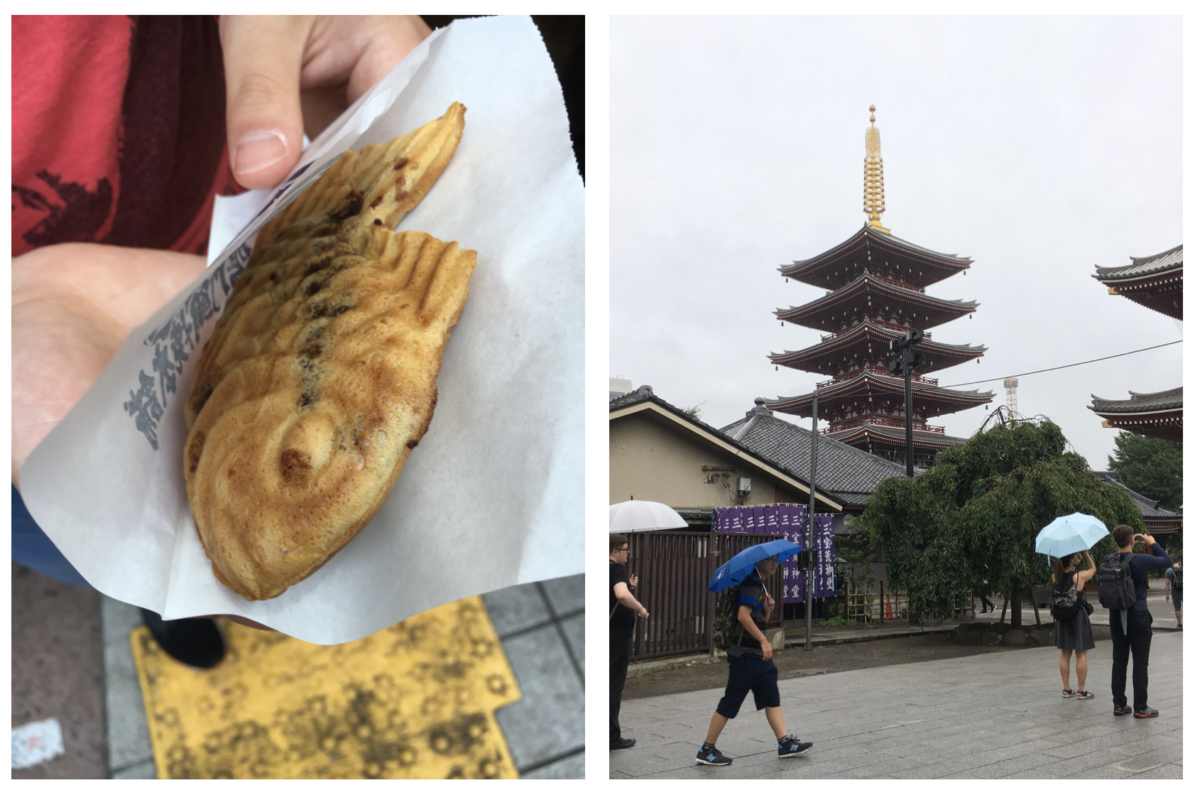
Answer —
880 253
1155 282
889 437
871 391
1155 414
870 342
871 297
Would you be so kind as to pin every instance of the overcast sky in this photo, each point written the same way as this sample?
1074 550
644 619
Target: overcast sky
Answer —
1039 147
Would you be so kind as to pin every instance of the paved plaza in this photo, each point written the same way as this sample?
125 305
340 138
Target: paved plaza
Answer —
72 662
997 715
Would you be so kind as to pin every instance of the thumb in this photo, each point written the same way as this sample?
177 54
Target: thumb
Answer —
263 120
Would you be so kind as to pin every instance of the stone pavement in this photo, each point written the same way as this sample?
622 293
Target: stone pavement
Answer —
72 662
997 715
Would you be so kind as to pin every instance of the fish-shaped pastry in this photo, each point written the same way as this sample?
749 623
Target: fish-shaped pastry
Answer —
319 378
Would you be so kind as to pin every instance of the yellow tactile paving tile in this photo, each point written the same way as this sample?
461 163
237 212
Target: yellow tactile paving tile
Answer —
416 700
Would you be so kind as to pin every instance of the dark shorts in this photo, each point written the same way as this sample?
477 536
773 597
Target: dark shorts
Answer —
748 674
1177 600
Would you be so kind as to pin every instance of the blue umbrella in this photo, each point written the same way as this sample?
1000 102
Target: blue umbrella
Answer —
1073 533
735 570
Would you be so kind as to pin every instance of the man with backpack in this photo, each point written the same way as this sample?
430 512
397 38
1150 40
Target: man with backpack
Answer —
750 670
1174 577
623 608
1122 585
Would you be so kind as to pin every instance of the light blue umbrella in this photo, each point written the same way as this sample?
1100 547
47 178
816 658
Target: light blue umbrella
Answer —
735 570
1071 534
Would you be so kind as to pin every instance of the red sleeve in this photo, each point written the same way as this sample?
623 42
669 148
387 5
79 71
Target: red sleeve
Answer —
118 131
68 79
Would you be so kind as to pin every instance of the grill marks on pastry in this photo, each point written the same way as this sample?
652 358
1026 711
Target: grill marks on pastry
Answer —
352 208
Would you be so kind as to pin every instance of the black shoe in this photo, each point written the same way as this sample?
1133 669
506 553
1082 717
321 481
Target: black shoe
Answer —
622 744
1120 711
195 642
791 746
710 756
1146 713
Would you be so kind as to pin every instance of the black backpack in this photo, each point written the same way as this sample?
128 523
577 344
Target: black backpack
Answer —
1064 600
1177 578
726 618
1116 582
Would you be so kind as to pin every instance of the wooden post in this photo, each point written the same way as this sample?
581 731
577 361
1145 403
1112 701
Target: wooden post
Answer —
1003 610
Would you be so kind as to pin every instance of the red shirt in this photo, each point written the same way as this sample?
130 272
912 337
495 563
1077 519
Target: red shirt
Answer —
118 131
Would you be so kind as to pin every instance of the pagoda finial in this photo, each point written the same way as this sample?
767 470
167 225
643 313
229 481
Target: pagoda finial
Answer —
873 179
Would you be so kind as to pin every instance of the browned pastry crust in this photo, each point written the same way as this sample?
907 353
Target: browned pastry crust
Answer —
319 378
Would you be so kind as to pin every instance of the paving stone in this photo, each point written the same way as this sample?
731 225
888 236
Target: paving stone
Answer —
516 608
565 594
57 671
992 718
570 767
573 630
144 771
547 721
118 619
1009 766
1171 771
128 733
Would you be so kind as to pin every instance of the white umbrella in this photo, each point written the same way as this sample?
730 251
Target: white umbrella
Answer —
642 515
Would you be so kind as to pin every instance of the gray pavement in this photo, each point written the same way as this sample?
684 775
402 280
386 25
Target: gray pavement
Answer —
79 669
998 715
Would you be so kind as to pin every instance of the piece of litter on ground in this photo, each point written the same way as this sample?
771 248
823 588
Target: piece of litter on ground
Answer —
36 742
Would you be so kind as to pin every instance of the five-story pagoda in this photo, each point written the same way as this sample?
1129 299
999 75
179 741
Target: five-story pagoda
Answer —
875 291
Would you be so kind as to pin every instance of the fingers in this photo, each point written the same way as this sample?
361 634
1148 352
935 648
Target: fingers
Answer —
263 122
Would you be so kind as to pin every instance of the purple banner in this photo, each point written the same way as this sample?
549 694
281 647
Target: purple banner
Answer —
795 530
791 522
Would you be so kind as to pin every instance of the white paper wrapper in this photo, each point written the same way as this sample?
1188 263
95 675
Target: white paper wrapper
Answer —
493 496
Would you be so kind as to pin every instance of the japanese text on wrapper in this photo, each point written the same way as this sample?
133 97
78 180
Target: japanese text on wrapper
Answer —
175 340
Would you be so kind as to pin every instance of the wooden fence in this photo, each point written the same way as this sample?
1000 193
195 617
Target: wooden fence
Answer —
673 569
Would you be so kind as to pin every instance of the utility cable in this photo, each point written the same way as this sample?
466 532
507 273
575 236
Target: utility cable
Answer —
1064 366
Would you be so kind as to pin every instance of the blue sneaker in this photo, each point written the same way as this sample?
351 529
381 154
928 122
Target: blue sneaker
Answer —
710 756
791 746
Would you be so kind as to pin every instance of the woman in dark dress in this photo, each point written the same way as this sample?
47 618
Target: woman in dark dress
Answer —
1075 635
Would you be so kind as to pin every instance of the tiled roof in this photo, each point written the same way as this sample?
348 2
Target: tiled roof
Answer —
1142 267
919 436
1168 400
871 232
1148 508
844 470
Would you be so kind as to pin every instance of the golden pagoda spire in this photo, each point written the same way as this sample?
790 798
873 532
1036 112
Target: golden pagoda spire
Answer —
873 179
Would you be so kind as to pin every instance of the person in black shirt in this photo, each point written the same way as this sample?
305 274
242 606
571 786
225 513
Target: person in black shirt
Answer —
622 608
751 670
1137 637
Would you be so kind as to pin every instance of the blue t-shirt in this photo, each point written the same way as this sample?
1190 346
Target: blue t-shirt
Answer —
1142 563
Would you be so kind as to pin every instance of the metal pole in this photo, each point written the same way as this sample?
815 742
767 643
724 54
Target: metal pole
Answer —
812 508
908 446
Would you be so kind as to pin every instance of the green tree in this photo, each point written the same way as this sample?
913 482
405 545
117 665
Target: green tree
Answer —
1151 467
977 512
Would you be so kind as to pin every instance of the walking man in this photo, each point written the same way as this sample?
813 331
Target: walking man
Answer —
1136 637
751 670
1174 577
623 607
